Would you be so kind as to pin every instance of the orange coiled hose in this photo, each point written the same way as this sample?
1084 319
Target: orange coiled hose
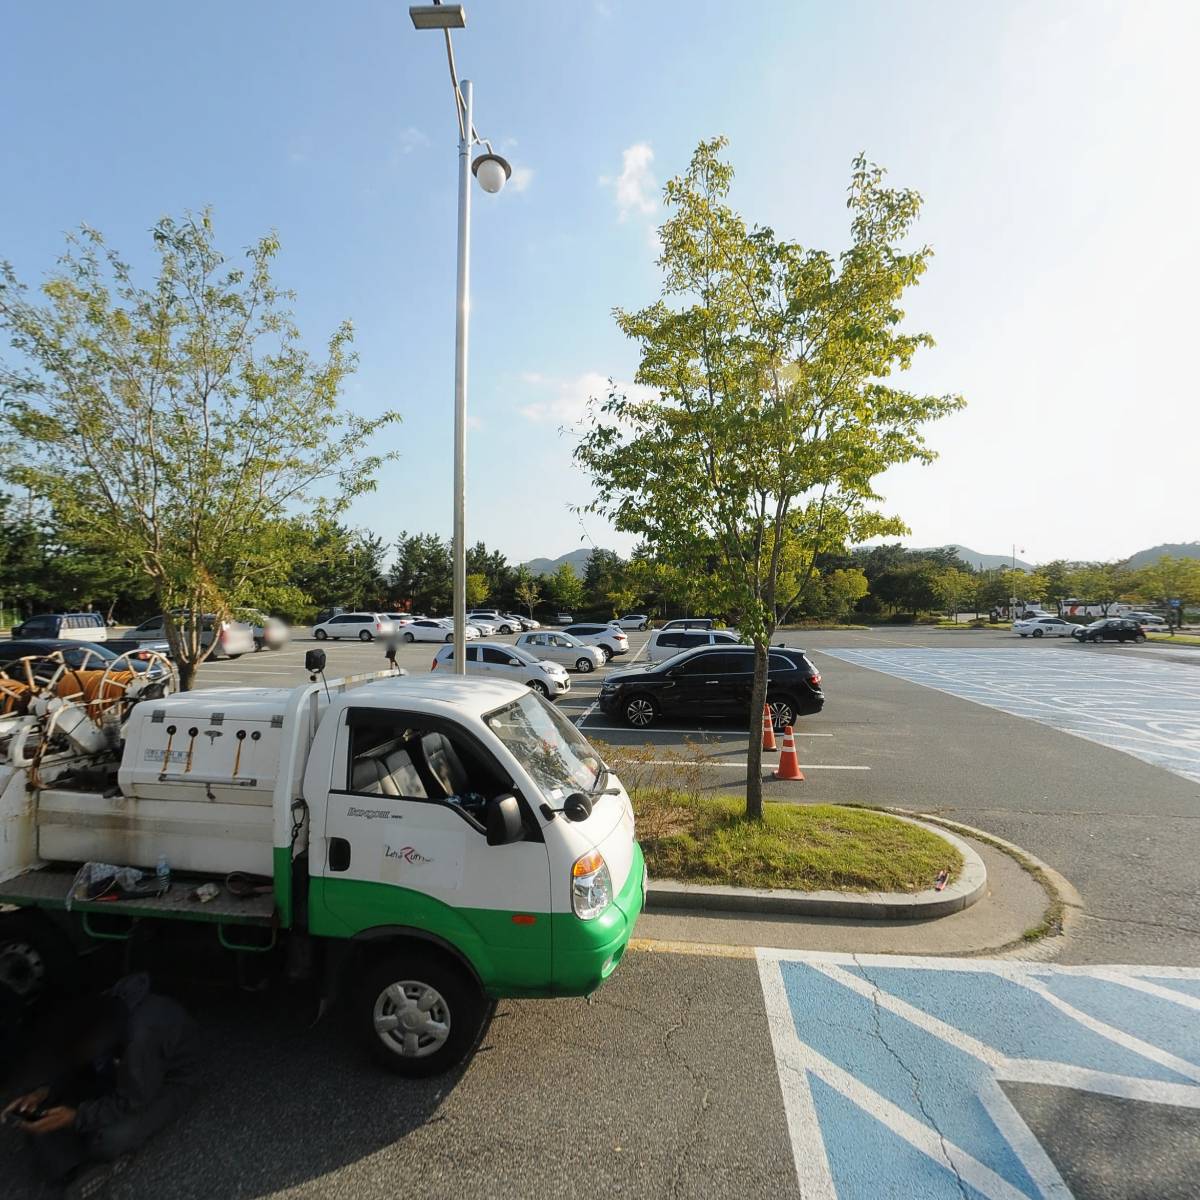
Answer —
14 696
86 686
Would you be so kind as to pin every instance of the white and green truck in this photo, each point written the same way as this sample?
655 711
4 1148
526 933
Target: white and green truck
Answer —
431 843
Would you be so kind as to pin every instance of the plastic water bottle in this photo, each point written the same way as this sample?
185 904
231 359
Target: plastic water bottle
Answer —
162 873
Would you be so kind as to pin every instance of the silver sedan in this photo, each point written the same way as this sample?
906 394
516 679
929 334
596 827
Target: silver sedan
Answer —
562 648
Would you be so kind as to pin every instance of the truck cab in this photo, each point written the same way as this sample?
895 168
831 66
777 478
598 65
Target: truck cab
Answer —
440 841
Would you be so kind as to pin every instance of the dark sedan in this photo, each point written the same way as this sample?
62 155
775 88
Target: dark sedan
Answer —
1111 629
92 656
713 681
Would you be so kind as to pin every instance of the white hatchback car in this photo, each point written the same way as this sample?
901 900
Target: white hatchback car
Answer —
429 630
500 622
562 648
1044 627
610 641
666 643
365 626
632 621
509 662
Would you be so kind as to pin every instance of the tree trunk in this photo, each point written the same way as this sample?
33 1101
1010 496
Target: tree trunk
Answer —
187 673
758 697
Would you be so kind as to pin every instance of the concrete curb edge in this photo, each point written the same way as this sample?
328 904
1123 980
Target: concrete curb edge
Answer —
870 906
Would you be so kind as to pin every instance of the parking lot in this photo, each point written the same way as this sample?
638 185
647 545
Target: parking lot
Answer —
1088 756
698 1070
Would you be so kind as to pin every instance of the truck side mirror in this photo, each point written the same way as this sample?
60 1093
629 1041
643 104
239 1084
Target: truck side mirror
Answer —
504 824
577 807
314 660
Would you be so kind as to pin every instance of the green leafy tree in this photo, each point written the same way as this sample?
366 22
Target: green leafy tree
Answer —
1170 578
175 425
908 587
493 566
1098 583
771 405
526 590
844 588
478 589
566 588
951 586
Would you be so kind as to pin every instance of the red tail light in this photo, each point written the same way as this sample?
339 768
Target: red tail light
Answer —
815 679
434 667
378 626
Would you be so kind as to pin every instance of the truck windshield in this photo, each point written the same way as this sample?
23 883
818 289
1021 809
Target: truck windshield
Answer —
556 755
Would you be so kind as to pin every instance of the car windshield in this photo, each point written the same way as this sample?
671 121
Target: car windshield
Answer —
558 758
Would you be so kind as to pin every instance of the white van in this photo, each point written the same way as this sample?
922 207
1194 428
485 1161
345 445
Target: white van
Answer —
433 843
666 643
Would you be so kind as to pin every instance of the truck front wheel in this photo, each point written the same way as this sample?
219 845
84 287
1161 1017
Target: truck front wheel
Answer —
419 1014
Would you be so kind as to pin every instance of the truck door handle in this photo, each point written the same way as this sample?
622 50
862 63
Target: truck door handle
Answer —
339 854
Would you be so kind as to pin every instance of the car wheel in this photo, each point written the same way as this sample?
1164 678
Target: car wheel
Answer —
506 629
449 638
1038 633
584 665
259 645
419 1015
408 637
320 634
1141 637
607 653
37 961
640 711
642 627
536 685
364 635
783 712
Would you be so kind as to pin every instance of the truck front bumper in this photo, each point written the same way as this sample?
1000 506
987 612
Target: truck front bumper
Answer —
587 952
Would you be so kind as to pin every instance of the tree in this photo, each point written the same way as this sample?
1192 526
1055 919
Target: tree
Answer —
950 585
908 587
526 590
767 409
1170 579
844 588
1098 583
423 573
174 426
478 589
566 588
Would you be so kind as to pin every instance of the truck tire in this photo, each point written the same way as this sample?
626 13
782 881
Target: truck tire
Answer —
37 960
419 1014
320 635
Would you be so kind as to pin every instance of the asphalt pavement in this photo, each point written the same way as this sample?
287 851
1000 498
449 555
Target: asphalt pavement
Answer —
790 1060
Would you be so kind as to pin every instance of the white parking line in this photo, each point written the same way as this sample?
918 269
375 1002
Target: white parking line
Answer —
697 732
708 762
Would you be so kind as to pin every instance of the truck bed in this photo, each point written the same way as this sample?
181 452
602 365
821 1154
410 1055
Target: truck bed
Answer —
47 887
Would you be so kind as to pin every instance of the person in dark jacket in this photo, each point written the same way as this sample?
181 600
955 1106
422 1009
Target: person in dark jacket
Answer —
132 1068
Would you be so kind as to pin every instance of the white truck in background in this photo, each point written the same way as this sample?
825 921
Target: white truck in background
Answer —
429 844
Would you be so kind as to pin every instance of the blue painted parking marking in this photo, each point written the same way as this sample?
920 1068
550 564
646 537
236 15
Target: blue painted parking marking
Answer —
891 1067
1150 710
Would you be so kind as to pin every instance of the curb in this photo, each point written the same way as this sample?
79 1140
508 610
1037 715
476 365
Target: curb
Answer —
868 906
1066 904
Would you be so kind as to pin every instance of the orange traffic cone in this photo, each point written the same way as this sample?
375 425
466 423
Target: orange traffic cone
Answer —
789 764
768 729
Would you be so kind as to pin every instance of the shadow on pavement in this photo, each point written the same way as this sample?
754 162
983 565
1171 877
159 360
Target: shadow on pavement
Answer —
284 1103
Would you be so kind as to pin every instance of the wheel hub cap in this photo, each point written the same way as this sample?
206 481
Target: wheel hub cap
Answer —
412 1019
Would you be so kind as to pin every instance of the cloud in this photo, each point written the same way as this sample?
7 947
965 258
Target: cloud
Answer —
635 189
411 138
522 177
565 401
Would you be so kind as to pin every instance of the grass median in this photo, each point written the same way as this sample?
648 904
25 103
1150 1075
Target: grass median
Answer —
808 848
693 836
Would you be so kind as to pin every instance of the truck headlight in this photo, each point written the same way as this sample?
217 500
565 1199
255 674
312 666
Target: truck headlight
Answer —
591 885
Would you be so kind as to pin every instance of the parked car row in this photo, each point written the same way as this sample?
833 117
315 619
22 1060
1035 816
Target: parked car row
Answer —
1128 628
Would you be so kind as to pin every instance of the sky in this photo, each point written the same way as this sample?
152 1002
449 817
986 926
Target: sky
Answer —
1052 142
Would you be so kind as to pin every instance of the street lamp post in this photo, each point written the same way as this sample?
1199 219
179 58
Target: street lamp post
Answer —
493 172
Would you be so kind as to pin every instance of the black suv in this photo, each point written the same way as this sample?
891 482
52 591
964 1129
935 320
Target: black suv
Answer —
1111 629
714 681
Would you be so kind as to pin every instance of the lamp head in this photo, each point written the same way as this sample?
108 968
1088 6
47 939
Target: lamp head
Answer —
492 171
